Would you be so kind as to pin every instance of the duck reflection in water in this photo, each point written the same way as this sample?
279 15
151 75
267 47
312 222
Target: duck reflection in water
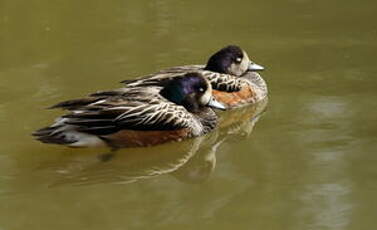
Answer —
191 161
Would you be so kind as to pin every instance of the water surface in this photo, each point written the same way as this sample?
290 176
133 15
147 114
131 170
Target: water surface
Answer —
307 163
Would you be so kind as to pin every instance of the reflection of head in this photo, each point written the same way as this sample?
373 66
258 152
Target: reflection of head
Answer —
240 122
233 125
200 167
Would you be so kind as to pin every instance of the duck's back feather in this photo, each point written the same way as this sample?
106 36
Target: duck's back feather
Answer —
219 81
96 119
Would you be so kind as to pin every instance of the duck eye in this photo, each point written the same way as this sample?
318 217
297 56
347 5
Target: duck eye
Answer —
201 90
238 60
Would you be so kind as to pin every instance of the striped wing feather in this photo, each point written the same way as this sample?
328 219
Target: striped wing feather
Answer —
129 111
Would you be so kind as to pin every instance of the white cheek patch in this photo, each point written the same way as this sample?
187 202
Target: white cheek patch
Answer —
245 63
240 68
207 96
246 57
244 66
204 100
234 69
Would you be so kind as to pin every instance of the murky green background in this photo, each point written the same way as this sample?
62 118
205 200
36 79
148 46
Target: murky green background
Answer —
310 162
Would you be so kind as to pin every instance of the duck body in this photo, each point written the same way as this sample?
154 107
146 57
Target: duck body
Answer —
136 117
232 75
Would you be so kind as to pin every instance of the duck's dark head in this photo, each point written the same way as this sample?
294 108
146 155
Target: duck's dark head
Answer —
192 91
231 60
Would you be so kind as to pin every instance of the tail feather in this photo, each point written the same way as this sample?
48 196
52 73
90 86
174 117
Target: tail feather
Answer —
43 131
55 140
70 135
52 135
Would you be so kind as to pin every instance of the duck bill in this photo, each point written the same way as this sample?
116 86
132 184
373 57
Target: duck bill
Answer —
215 104
255 67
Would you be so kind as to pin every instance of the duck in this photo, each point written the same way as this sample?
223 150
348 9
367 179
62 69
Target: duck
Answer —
136 117
230 71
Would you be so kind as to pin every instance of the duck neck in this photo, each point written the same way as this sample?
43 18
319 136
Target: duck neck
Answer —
208 119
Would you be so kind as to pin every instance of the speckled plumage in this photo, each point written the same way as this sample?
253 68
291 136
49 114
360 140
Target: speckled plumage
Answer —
138 116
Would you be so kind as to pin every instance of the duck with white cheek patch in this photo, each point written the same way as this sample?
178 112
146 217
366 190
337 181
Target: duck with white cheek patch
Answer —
232 74
136 117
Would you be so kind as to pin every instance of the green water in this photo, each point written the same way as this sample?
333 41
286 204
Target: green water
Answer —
309 162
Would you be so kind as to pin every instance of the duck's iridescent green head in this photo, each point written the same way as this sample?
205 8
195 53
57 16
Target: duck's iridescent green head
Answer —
231 60
192 91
